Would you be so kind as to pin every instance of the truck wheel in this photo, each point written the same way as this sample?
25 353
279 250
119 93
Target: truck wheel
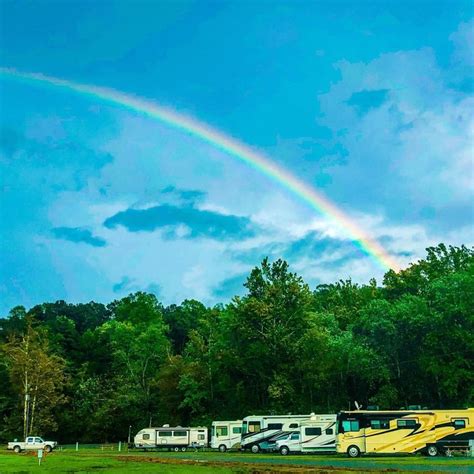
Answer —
17 449
284 451
183 449
432 451
353 451
255 449
176 450
48 448
222 448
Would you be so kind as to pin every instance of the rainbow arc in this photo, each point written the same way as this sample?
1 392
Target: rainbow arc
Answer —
232 147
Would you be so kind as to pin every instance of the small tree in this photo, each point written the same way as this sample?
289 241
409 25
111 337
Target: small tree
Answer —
37 376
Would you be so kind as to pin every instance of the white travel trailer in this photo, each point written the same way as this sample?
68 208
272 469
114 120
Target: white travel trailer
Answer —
316 435
174 438
259 433
226 435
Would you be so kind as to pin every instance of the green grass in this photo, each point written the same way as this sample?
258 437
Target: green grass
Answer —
95 460
84 462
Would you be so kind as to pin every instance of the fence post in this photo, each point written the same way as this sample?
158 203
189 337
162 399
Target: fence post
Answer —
77 445
120 446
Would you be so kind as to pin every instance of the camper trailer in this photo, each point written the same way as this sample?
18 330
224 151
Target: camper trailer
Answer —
260 433
226 435
313 436
409 431
171 438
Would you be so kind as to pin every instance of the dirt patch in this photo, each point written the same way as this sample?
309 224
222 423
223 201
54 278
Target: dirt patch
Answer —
251 468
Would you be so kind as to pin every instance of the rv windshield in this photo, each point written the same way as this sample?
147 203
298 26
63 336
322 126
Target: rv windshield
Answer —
244 427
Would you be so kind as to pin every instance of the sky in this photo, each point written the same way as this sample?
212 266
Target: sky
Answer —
370 103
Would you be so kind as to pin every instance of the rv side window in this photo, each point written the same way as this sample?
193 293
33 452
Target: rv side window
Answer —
293 425
165 433
201 437
459 424
236 430
146 436
379 424
244 427
350 425
312 431
221 431
275 426
403 424
254 426
180 433
295 436
329 431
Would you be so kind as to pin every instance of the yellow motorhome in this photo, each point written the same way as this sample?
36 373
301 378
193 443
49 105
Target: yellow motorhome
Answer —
409 431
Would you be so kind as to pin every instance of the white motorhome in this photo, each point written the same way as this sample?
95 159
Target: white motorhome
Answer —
259 433
174 438
226 435
316 435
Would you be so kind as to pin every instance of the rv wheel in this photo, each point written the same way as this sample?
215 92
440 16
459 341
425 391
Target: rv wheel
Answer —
255 449
432 451
353 451
284 450
222 448
176 449
17 449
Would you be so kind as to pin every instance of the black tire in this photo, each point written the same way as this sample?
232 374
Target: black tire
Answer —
353 451
432 451
222 448
284 451
255 449
48 448
17 449
183 449
176 449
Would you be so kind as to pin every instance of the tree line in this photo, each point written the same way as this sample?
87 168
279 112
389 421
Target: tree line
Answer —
87 372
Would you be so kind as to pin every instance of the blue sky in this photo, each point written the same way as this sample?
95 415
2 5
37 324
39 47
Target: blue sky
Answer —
370 102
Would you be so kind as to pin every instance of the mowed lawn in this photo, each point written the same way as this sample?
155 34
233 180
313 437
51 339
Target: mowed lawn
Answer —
95 460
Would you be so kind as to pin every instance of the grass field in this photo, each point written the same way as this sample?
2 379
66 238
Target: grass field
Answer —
95 460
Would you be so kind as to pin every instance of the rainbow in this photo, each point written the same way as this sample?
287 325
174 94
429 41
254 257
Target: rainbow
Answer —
256 160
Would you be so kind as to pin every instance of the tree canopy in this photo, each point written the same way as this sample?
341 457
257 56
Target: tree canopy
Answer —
281 347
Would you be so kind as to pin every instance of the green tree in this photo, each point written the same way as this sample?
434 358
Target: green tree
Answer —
37 377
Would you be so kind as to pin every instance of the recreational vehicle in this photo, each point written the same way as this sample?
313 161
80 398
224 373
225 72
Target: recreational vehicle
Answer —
411 431
226 435
172 438
259 433
313 436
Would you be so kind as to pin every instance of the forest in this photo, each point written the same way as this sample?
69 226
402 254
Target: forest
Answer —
90 371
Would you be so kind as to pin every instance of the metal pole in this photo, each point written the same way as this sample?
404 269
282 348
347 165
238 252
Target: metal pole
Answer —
129 433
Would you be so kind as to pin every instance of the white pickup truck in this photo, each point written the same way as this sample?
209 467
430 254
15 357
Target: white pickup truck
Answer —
32 443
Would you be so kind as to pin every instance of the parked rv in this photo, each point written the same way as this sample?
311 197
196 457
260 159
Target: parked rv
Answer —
389 432
313 436
226 435
174 438
32 443
260 433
